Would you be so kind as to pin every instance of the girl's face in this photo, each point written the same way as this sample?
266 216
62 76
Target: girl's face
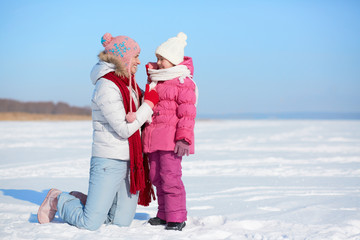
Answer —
134 64
163 62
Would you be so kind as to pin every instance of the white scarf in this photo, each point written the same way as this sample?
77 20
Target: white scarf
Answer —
179 71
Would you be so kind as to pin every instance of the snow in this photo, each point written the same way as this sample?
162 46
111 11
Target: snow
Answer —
261 179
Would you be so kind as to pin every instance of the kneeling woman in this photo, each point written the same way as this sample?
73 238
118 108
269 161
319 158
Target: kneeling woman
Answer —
118 173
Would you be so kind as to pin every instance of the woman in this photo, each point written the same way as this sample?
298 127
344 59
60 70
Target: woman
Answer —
118 171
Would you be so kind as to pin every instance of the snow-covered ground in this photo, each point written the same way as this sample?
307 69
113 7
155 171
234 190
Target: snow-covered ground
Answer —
261 179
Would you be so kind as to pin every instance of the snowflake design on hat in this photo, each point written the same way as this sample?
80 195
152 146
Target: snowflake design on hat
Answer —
119 49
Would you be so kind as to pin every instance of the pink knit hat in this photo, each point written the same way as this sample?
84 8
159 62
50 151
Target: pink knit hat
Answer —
121 46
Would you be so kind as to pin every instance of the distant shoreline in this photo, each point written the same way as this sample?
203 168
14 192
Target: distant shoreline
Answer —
20 116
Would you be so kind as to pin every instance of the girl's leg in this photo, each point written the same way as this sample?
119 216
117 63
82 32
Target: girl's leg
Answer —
105 178
124 206
154 160
172 187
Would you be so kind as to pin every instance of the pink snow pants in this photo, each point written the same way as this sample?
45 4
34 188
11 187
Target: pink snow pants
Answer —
165 175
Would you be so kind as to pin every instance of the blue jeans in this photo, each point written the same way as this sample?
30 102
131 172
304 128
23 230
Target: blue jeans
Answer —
109 199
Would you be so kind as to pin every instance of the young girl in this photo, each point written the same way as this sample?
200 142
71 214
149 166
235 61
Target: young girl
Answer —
170 135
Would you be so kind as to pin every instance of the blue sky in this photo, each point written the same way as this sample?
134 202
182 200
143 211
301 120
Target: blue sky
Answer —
249 56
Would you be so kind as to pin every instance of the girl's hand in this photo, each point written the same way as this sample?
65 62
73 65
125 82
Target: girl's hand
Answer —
182 148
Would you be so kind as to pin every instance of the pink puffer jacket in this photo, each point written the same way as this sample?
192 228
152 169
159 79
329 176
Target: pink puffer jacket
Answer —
174 116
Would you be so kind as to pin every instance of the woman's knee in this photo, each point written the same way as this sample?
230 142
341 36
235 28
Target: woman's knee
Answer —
92 225
123 222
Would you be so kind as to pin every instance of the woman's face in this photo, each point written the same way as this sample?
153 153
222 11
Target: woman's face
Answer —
163 62
135 61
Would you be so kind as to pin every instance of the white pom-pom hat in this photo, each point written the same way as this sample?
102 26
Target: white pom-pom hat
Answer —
173 49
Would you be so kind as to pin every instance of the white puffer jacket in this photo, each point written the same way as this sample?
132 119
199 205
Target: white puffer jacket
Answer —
110 129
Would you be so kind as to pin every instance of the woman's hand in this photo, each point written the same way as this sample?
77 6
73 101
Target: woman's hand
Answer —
150 97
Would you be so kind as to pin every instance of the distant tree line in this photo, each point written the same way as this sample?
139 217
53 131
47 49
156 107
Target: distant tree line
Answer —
9 105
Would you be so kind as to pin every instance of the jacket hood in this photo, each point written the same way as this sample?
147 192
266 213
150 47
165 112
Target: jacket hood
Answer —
107 63
101 69
188 62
